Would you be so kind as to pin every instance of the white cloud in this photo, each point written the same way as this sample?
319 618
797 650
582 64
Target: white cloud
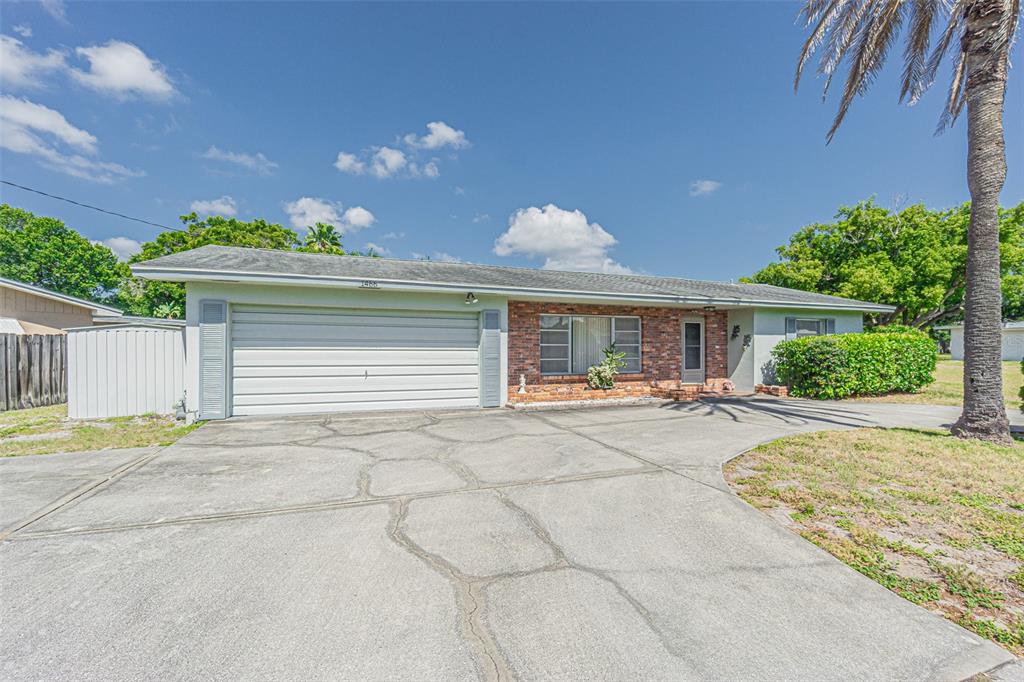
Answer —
307 211
358 217
563 238
123 70
438 256
35 130
459 190
377 249
387 161
20 67
123 247
23 30
481 217
703 188
349 163
224 206
255 162
439 134
55 8
393 235
431 170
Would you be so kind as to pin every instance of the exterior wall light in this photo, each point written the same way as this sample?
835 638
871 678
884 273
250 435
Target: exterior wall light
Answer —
471 299
709 308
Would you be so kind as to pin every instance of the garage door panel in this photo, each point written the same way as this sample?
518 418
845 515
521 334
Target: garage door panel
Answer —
327 319
300 360
355 371
367 336
315 408
303 384
358 357
345 397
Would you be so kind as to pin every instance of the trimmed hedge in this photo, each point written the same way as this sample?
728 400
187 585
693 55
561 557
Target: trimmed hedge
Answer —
844 365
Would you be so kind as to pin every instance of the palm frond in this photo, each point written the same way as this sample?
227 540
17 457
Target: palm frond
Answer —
955 98
915 55
848 28
825 11
873 43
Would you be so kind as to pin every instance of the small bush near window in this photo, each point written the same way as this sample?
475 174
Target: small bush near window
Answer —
602 375
844 365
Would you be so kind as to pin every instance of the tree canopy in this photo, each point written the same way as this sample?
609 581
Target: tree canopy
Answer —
167 299
914 258
47 253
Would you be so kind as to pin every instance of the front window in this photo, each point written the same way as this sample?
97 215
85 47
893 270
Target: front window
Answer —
809 327
569 344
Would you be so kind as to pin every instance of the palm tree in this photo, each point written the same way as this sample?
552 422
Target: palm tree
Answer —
323 237
860 34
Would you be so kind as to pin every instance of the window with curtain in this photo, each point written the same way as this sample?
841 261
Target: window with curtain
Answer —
798 327
570 344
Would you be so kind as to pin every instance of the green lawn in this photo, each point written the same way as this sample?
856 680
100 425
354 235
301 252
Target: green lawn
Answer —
44 430
936 519
947 389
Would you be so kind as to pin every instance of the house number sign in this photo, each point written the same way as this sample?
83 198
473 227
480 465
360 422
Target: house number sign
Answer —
369 284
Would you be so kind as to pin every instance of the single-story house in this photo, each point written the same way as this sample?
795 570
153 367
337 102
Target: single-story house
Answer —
1013 340
28 309
277 332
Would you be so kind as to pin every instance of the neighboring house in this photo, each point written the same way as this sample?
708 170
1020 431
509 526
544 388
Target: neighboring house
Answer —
28 309
278 332
1013 340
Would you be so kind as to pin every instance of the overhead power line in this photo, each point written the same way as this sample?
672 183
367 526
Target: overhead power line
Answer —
94 208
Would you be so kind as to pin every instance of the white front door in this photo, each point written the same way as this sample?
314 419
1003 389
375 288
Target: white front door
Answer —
693 350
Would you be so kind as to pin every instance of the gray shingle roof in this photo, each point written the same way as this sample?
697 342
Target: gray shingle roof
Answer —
222 260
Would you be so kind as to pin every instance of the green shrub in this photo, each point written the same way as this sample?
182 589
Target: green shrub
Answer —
602 375
893 329
844 365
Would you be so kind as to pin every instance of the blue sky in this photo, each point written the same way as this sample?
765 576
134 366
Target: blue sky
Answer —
660 138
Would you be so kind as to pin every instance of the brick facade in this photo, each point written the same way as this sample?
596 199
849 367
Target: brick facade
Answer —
661 353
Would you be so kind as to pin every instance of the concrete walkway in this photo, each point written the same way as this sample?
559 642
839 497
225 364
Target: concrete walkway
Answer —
578 544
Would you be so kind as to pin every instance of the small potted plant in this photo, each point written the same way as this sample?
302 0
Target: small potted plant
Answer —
602 375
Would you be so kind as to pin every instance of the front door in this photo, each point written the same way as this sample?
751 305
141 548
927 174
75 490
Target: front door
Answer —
693 351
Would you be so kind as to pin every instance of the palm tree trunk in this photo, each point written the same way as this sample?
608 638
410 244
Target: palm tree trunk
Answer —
984 415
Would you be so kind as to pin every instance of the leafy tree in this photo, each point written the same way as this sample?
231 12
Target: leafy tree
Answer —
146 297
978 33
45 252
914 259
323 238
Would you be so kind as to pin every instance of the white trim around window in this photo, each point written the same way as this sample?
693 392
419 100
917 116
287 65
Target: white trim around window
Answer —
562 350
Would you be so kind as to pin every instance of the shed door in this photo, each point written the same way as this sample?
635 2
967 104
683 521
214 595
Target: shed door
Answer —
291 360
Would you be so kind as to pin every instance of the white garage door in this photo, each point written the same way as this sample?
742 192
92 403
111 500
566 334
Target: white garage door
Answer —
290 360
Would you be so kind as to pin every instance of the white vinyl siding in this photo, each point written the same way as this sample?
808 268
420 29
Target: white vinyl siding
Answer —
288 360
570 344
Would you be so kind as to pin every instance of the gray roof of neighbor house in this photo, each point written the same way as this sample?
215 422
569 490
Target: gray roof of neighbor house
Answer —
226 263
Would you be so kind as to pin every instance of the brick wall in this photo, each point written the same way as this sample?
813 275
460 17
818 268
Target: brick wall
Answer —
661 352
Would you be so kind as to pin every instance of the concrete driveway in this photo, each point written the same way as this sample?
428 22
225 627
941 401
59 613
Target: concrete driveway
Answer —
596 544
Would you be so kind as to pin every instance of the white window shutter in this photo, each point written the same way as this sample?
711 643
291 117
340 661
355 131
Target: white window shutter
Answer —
790 328
213 346
490 359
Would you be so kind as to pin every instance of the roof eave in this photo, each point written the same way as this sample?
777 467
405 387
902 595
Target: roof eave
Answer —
199 275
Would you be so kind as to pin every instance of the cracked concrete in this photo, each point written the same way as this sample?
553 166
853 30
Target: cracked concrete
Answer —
575 544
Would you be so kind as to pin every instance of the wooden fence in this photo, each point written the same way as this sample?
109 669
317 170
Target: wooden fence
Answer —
33 368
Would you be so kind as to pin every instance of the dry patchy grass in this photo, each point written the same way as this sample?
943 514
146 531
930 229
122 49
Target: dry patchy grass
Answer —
938 520
948 388
44 430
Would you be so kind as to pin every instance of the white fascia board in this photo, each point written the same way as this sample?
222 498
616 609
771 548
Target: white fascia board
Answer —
525 293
